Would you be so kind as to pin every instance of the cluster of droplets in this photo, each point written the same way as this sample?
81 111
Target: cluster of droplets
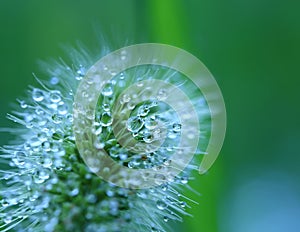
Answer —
48 187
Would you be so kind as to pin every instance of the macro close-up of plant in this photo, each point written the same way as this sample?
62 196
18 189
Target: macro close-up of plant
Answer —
113 116
49 187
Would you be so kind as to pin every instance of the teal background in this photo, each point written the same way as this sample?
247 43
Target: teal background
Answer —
253 50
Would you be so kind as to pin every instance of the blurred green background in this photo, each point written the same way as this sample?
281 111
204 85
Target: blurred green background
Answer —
253 50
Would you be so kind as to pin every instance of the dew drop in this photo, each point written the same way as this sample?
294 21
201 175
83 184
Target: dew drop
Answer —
57 119
37 95
172 135
166 219
148 137
150 122
154 229
40 177
182 204
130 105
134 124
176 127
143 110
54 80
7 219
47 162
122 76
106 119
23 105
74 192
106 107
184 180
162 94
107 90
62 109
55 96
113 152
126 98
123 156
35 142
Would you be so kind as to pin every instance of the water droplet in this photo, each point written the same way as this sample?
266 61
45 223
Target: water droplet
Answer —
134 124
62 109
182 204
91 198
166 219
148 137
18 160
55 96
54 80
122 76
37 95
40 177
107 90
7 219
176 127
114 152
154 229
110 193
23 105
172 135
159 178
143 110
126 98
123 156
184 179
162 94
151 123
81 71
164 187
98 144
47 162
131 105
106 119
106 107
35 142
74 192
57 119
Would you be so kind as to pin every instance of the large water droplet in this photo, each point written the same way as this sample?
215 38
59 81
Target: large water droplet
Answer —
40 177
47 162
148 137
37 95
107 90
151 122
143 110
55 96
62 109
57 119
114 152
106 107
134 124
106 119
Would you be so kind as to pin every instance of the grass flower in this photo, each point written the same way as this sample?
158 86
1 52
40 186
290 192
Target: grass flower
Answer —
47 186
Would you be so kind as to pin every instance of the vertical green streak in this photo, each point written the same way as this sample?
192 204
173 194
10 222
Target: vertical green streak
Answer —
169 23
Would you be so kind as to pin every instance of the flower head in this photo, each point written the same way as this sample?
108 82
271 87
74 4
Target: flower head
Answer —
51 186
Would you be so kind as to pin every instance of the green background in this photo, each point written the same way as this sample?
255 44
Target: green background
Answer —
253 50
